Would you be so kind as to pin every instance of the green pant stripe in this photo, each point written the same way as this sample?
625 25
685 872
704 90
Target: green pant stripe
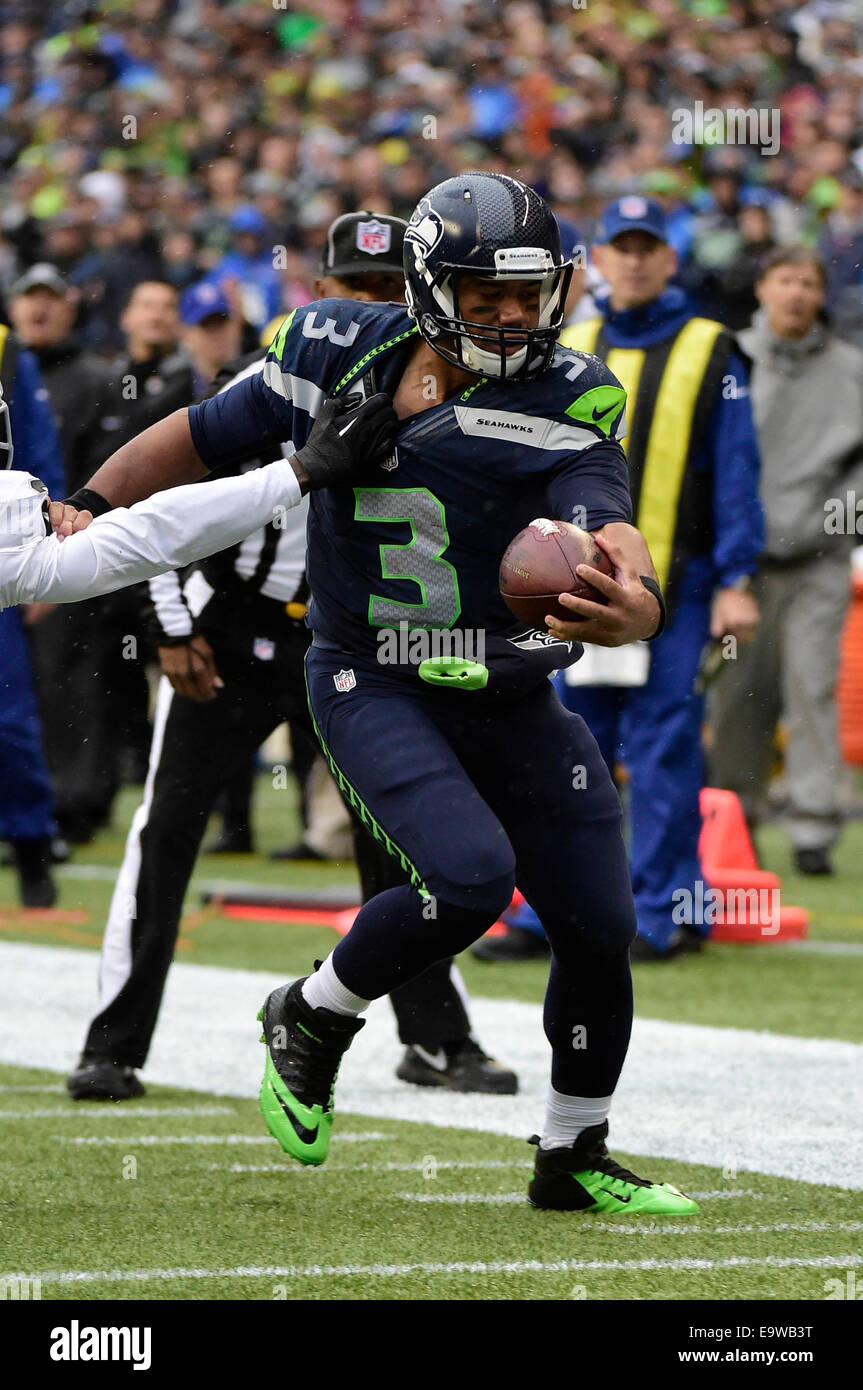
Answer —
354 799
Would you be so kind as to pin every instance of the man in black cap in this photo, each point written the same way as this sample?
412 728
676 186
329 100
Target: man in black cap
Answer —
66 644
43 308
240 615
362 258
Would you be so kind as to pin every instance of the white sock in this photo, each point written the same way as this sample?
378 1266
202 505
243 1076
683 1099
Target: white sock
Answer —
567 1116
324 990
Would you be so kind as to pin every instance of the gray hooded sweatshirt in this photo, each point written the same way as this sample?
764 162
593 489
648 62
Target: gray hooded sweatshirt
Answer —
807 400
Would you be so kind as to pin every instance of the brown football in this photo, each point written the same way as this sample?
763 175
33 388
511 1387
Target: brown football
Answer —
540 563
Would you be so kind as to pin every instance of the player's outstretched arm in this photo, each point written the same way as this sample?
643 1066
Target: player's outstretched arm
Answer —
168 530
160 457
633 613
348 434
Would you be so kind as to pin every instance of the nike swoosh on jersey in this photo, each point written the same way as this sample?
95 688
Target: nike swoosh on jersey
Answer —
438 1059
599 415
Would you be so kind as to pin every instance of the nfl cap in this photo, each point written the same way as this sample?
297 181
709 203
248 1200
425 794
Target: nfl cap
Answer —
631 214
42 277
361 243
199 301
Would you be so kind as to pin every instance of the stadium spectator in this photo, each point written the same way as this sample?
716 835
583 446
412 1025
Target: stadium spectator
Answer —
43 308
212 332
28 436
152 377
840 247
807 395
66 643
250 266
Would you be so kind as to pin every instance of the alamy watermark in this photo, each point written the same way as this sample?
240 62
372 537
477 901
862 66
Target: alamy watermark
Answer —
704 906
411 646
735 125
843 516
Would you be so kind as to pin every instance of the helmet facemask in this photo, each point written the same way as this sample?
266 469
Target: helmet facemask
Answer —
481 348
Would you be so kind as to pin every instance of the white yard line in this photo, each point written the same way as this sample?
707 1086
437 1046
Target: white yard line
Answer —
114 1111
735 1100
383 1271
35 1090
648 1227
360 1167
101 1140
287 1169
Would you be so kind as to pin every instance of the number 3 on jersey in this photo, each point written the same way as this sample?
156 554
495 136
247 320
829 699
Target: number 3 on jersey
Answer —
420 559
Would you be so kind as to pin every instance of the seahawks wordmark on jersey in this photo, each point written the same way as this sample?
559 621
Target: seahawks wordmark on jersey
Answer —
421 544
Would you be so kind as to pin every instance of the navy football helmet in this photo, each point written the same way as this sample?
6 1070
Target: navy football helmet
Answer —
489 225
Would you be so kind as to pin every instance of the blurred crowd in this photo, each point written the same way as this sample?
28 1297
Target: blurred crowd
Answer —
177 139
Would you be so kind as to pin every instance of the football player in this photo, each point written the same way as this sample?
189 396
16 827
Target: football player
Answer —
470 771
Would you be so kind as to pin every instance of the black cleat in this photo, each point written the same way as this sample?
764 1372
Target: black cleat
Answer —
297 853
517 944
812 861
103 1081
305 1047
683 943
585 1177
231 842
36 885
457 1066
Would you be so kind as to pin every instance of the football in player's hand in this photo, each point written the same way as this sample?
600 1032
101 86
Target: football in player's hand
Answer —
540 563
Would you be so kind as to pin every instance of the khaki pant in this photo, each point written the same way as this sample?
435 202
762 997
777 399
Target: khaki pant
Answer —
788 671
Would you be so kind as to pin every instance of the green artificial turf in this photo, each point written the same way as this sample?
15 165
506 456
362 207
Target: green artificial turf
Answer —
168 1220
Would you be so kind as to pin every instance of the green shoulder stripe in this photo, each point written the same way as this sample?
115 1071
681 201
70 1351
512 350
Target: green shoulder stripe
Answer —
278 344
371 355
600 406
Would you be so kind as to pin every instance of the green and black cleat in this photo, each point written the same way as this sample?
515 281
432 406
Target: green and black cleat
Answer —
305 1047
586 1178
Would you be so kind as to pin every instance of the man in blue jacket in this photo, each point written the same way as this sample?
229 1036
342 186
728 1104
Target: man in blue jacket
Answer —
28 440
694 466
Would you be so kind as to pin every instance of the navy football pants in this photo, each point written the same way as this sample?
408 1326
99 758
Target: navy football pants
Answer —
475 792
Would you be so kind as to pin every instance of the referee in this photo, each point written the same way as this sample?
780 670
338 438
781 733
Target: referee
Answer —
233 641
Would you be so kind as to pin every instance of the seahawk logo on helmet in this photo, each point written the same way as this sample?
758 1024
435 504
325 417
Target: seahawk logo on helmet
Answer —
489 225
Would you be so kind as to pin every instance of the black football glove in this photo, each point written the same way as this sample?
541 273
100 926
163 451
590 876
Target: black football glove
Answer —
348 435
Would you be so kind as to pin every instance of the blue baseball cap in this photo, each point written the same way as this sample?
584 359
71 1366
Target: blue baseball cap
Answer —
631 214
199 301
248 218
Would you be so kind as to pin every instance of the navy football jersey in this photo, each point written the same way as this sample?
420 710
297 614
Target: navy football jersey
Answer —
416 542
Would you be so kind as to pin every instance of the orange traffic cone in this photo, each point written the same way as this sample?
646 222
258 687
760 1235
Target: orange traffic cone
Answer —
725 842
744 899
849 689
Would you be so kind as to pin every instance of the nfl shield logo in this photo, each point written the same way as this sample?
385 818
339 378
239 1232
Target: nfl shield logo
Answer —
392 462
264 649
344 681
373 237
